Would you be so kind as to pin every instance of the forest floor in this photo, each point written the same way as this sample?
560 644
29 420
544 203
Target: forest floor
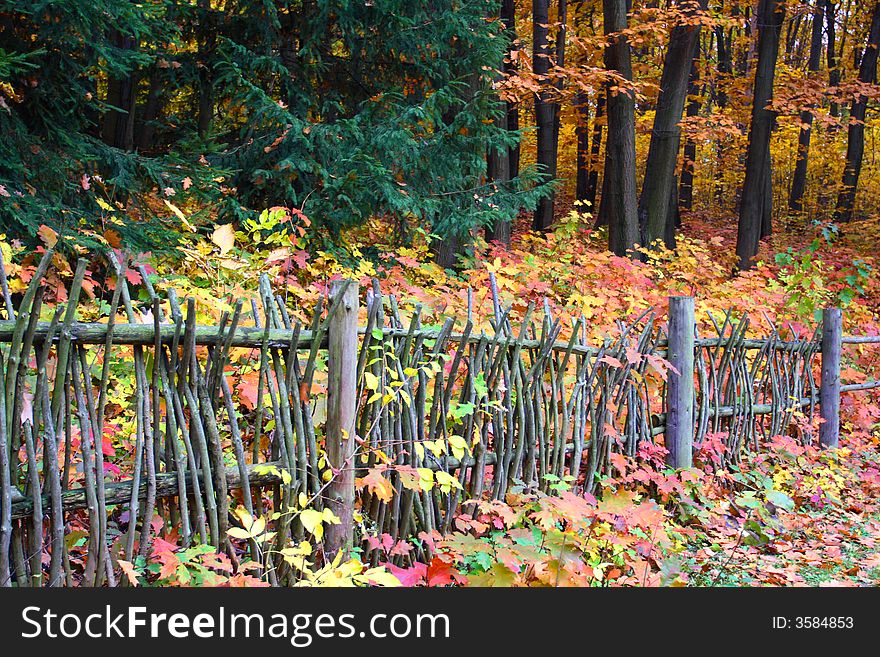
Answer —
820 541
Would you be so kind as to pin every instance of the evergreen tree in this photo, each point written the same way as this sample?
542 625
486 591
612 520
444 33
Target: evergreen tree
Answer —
66 136
382 108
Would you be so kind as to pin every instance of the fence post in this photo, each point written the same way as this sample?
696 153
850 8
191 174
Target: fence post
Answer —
829 387
680 387
341 408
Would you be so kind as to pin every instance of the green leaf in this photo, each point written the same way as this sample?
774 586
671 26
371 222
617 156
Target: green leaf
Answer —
780 499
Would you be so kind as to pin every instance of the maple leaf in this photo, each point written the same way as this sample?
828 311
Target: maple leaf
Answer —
633 356
217 561
611 360
618 504
240 580
378 484
248 387
412 576
49 236
383 542
441 573
130 572
301 259
619 461
133 276
170 564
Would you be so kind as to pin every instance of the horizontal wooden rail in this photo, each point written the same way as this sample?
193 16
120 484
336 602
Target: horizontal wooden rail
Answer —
144 334
259 475
95 333
860 339
867 385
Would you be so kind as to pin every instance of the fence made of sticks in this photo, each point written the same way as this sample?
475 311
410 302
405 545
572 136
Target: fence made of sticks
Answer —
340 400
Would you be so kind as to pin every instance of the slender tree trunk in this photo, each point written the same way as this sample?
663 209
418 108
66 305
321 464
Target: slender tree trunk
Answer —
513 125
562 18
791 34
498 170
753 215
767 197
686 184
498 160
831 57
582 131
544 111
724 44
583 23
855 144
150 112
206 41
446 251
659 182
799 180
619 201
595 150
508 15
118 126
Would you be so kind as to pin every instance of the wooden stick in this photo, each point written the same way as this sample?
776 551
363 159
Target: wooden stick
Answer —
680 390
341 405
829 390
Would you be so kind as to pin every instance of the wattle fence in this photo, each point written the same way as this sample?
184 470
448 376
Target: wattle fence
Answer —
484 410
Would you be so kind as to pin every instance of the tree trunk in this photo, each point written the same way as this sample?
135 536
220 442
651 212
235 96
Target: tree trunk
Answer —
659 181
686 185
118 126
206 41
562 18
544 111
508 15
498 160
583 146
799 181
595 151
619 202
753 205
724 43
446 251
855 144
498 170
833 70
150 111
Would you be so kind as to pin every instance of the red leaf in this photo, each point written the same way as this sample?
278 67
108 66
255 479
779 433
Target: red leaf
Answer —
409 576
611 360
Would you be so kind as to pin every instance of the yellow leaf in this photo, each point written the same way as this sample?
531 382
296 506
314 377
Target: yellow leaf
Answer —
426 478
330 517
244 517
459 446
238 532
224 237
258 527
371 381
446 481
312 522
179 214
378 577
